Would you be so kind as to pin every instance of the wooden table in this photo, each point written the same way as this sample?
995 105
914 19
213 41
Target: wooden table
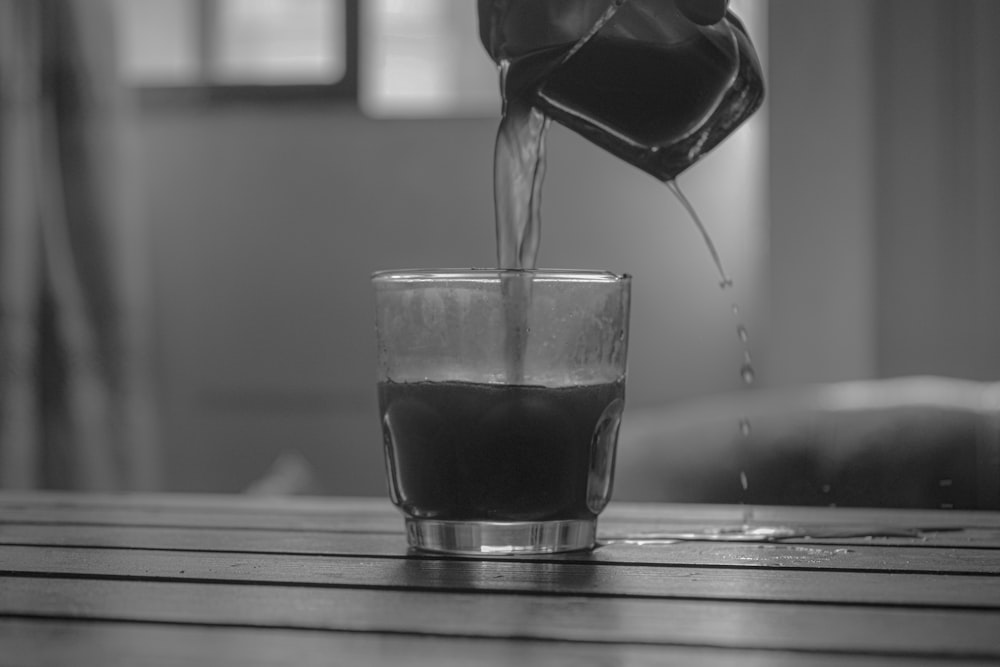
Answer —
151 580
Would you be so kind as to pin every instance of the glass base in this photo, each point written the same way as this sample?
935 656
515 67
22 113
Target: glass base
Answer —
501 537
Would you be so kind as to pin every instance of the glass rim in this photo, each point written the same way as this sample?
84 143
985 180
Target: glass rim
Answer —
478 274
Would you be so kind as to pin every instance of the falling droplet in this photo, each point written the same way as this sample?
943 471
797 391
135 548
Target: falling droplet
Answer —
741 331
747 373
745 428
944 482
826 488
743 480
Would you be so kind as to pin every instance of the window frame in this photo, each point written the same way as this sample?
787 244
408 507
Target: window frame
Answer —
205 91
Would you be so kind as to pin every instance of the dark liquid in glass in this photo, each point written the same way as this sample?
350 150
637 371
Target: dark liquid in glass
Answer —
471 451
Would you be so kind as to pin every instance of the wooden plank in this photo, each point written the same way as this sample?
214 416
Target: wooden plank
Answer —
913 558
698 514
847 535
33 642
677 513
195 502
255 512
835 629
208 518
388 523
564 578
964 551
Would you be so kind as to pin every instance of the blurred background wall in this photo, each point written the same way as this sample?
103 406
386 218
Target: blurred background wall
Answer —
854 212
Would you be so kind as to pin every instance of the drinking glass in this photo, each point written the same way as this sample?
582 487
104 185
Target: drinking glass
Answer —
500 395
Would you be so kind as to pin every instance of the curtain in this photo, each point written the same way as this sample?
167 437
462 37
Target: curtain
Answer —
76 399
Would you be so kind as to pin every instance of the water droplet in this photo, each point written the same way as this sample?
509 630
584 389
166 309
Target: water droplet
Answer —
747 373
745 428
947 506
743 480
825 488
944 482
726 283
741 331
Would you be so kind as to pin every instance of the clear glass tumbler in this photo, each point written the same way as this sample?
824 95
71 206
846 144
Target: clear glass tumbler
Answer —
501 394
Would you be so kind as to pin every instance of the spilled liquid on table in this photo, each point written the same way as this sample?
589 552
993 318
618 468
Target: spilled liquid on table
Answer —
772 534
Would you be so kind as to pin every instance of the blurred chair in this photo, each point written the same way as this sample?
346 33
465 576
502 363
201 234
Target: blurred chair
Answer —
926 442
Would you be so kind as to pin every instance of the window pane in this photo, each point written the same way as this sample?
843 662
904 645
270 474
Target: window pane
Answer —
423 57
158 40
279 41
